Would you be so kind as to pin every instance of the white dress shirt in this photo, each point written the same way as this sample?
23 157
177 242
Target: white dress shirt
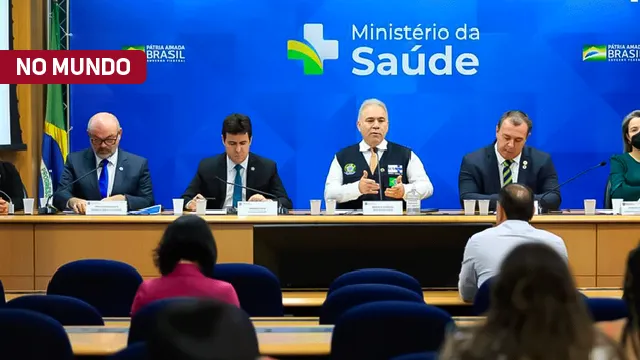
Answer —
515 165
486 250
231 178
415 174
111 170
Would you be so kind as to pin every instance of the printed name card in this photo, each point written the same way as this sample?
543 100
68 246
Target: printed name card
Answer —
106 208
382 208
257 208
630 208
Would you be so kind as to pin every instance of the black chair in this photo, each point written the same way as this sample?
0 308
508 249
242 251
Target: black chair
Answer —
607 196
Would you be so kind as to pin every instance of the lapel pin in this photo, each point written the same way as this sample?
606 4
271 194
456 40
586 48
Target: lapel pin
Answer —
381 169
253 169
524 164
121 168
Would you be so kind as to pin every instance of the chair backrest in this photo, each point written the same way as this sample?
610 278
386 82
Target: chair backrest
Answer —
137 351
428 355
67 310
2 295
109 285
384 329
348 297
482 299
144 320
258 288
607 309
376 276
607 196
29 335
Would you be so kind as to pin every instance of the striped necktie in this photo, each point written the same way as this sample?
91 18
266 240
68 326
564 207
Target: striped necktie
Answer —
506 173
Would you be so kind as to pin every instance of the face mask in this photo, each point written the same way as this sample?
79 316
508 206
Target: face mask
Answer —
635 141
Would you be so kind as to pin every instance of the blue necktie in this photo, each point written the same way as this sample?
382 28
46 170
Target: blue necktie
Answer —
103 182
237 190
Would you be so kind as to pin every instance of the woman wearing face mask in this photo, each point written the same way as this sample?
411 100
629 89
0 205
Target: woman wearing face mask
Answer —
625 168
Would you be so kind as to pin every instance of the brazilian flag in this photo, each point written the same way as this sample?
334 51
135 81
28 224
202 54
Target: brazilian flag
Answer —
55 140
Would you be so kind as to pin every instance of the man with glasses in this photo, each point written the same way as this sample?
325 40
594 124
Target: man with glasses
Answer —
119 176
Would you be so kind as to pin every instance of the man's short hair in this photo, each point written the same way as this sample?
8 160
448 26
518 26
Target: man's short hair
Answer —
516 117
517 202
236 124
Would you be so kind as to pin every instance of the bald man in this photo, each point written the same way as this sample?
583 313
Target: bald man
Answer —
120 175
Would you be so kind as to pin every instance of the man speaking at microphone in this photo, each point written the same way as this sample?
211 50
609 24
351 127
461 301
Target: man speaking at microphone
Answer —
374 169
120 175
225 179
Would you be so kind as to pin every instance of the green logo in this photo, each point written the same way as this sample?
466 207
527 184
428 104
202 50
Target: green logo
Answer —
134 47
315 51
350 169
594 53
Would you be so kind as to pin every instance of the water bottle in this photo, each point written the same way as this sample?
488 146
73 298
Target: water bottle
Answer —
413 202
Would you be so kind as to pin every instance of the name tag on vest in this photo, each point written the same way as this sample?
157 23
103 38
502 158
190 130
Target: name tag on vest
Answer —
106 208
382 207
257 208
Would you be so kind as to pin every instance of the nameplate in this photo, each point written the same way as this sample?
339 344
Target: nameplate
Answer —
106 208
382 207
630 208
257 208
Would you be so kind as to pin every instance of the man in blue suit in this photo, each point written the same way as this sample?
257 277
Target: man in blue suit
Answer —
484 172
119 176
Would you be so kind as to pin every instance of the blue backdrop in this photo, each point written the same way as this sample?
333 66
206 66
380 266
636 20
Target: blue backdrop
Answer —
229 56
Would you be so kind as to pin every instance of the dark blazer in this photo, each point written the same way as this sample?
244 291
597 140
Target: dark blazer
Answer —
262 175
11 183
133 181
479 177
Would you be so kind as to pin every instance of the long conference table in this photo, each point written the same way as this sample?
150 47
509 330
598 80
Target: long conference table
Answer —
304 251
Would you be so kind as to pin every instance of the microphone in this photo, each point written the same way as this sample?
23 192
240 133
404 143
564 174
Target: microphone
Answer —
601 164
50 210
281 210
375 150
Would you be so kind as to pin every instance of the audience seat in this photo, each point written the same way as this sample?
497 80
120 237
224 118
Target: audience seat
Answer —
607 309
108 285
137 351
67 310
376 276
384 329
144 320
429 355
2 295
258 288
29 335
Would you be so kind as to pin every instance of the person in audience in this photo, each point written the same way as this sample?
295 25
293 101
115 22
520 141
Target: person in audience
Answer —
11 188
484 172
624 175
120 175
630 337
535 313
220 179
357 170
485 250
185 257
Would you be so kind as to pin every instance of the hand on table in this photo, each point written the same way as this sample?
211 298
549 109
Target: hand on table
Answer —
191 205
257 197
4 207
366 185
79 206
115 198
397 191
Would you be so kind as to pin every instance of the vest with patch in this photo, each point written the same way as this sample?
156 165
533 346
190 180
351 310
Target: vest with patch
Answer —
394 162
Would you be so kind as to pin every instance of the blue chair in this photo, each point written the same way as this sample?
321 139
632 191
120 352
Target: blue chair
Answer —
384 329
343 299
108 285
376 276
607 309
258 288
144 320
429 355
482 299
2 295
137 351
29 335
67 310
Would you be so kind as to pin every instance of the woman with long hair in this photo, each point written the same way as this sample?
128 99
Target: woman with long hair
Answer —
630 339
536 313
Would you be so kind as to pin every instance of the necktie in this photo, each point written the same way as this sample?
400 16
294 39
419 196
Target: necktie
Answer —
373 163
506 173
237 190
103 182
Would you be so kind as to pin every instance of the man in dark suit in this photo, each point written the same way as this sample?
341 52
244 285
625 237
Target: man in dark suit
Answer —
236 166
484 172
120 175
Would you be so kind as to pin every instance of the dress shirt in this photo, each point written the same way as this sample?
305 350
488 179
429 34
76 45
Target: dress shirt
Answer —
111 169
515 165
415 174
231 178
486 250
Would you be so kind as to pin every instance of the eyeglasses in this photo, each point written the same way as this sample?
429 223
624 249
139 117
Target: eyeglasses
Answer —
108 141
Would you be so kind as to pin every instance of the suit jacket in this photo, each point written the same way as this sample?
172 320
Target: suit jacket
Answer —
133 181
11 183
262 175
479 177
185 280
